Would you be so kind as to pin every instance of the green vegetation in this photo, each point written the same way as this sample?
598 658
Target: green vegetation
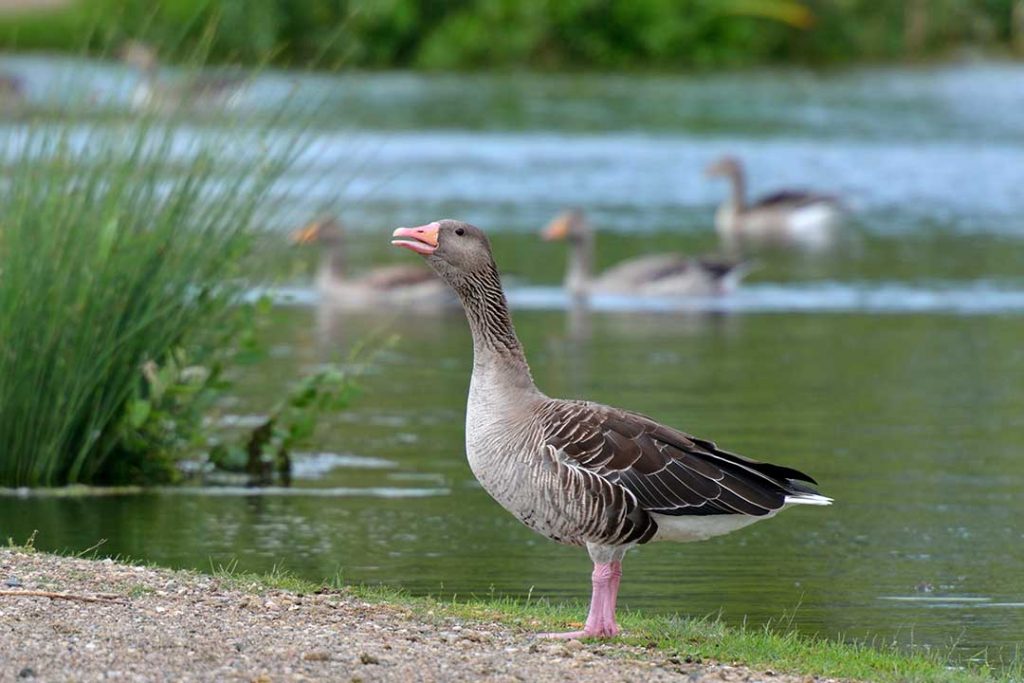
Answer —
122 250
266 450
472 34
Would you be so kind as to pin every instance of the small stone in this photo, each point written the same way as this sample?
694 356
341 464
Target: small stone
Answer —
318 656
367 658
13 582
574 645
27 672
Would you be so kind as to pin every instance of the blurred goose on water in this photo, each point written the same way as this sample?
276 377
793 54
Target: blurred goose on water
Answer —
398 285
785 218
583 473
12 91
195 90
666 274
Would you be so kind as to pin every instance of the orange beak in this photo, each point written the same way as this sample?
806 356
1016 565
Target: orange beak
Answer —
557 229
307 235
422 240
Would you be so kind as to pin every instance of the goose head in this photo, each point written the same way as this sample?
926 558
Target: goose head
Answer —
453 249
725 167
139 55
570 226
327 231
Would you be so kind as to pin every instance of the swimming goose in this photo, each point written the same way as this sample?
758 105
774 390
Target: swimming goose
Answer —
787 217
155 93
583 473
12 91
398 285
655 275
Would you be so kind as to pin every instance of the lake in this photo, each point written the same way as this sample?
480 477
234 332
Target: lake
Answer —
890 369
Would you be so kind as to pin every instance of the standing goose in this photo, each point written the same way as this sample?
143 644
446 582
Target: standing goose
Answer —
399 285
657 275
583 473
786 218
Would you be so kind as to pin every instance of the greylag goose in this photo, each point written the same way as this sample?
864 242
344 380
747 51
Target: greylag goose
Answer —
398 285
155 93
656 275
788 217
12 91
583 473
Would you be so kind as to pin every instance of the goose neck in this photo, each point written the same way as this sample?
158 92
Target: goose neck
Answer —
335 262
739 189
581 262
498 358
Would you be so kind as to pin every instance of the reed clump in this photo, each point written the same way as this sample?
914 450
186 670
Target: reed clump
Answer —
123 251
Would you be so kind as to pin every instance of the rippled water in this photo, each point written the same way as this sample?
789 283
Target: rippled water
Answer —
891 369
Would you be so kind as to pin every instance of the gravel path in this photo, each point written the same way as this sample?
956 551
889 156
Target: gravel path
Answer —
155 624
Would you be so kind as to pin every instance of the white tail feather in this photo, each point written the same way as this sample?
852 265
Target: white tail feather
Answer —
808 499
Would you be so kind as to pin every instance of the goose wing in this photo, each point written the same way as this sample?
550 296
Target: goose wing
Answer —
791 199
638 271
647 270
668 471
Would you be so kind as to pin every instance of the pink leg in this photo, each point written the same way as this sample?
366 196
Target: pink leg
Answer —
601 620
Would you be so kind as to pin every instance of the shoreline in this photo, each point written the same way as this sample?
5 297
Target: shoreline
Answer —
69 618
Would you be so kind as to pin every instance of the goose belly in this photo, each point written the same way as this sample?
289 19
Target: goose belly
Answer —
687 528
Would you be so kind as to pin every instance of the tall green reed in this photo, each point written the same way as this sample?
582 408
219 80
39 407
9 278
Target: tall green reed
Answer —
122 245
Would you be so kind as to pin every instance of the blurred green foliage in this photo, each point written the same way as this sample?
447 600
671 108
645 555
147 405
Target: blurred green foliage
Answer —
552 34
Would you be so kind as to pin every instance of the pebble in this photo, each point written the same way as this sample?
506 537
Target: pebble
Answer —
13 582
317 656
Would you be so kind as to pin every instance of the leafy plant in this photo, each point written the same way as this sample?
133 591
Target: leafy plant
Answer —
122 251
266 450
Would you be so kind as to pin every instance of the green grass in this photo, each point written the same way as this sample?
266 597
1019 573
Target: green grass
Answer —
123 247
776 647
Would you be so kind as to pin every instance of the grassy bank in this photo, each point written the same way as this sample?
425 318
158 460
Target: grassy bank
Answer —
498 628
671 639
474 34
775 647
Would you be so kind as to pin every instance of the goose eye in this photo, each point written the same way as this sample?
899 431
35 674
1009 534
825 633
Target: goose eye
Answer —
460 232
